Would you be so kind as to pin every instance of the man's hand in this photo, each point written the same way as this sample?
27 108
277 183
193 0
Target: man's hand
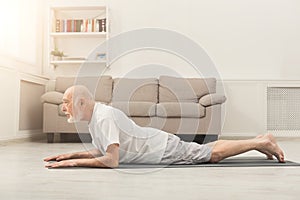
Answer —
64 163
59 157
84 154
109 160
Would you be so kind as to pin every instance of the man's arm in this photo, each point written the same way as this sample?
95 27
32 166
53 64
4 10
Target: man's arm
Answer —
109 160
84 154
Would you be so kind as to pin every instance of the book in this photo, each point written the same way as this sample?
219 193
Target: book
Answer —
78 25
57 25
96 24
102 25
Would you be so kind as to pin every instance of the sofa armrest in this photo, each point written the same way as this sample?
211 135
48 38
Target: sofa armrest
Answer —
52 97
212 99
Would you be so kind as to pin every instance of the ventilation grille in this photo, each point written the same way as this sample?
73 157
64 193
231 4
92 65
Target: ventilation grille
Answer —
283 108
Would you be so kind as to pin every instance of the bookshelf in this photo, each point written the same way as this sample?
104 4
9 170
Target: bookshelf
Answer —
74 31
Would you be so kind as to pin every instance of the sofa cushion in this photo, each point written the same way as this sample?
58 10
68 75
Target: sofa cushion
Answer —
174 89
104 89
63 83
172 109
103 86
52 97
136 109
126 89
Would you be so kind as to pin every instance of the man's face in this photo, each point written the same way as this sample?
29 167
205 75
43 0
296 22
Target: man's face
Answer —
69 109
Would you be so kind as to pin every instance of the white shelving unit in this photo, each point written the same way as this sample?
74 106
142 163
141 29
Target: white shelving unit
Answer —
76 44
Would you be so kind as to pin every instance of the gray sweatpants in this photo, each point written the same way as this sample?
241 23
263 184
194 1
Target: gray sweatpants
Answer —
181 152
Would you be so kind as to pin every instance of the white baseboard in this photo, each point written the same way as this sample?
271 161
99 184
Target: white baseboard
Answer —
245 134
279 134
286 133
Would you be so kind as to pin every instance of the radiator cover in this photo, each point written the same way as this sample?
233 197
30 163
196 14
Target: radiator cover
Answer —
283 108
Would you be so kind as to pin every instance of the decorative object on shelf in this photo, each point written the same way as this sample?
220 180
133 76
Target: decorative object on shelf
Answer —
101 56
57 55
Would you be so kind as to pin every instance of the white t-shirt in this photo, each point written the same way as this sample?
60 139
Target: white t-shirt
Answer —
136 144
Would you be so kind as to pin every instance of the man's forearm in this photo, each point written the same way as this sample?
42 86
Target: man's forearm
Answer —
110 159
87 154
102 162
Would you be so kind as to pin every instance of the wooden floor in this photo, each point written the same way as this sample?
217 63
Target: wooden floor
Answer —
23 176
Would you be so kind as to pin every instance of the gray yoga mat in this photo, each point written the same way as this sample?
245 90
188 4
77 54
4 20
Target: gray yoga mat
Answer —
229 162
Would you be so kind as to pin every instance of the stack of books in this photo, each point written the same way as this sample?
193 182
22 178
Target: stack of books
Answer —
80 25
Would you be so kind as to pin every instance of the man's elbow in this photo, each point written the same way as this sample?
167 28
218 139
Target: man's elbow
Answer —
112 164
115 164
106 163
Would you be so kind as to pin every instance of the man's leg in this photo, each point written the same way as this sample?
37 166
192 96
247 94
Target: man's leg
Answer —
265 144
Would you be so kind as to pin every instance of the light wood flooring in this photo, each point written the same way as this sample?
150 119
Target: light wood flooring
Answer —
23 176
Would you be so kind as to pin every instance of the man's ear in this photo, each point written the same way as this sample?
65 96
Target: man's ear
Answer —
81 101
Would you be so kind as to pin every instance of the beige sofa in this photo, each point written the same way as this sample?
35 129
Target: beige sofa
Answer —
188 107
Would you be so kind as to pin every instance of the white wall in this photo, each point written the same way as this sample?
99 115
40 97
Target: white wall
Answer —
9 104
21 35
249 39
20 60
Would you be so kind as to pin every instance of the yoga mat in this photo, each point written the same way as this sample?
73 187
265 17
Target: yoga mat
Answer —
229 162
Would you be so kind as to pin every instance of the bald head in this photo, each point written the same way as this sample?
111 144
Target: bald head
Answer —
78 103
79 92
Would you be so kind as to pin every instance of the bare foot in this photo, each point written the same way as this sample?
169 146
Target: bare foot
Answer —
269 146
269 155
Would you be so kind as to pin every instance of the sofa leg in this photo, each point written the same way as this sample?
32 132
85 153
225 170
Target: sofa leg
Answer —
50 137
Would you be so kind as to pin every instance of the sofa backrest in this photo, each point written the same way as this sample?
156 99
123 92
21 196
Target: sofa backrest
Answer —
100 87
164 89
128 90
174 89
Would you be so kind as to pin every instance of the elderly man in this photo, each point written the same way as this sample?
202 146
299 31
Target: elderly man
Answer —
119 140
